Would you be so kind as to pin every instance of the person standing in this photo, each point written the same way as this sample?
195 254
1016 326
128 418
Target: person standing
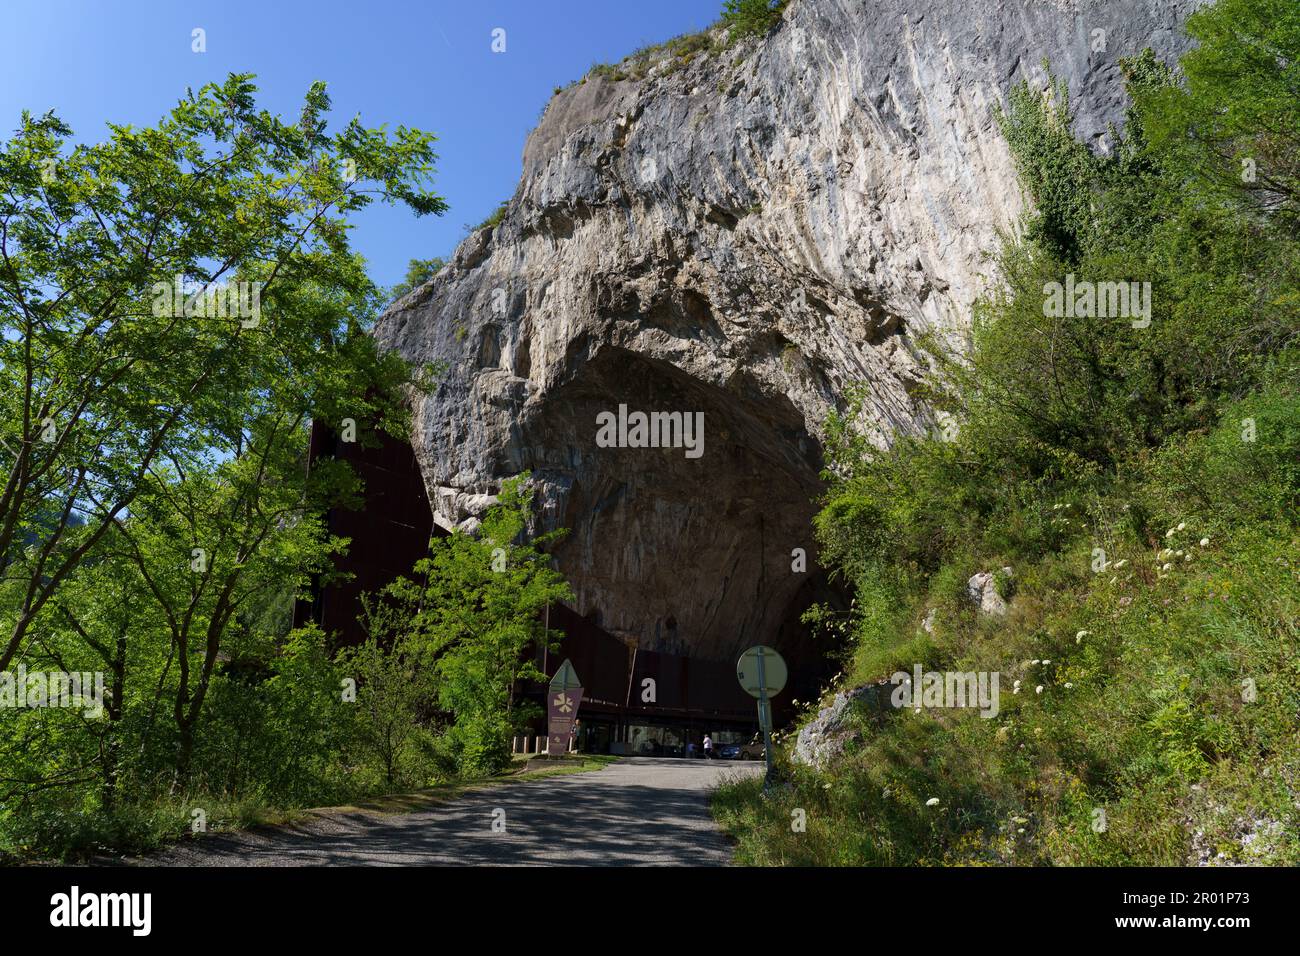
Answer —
708 747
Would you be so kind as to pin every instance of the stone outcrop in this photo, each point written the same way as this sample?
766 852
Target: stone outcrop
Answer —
746 233
982 589
840 723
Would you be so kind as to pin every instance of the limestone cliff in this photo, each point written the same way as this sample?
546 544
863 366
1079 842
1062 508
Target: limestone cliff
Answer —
742 232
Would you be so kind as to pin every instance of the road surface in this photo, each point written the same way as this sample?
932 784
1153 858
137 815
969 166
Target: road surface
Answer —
638 812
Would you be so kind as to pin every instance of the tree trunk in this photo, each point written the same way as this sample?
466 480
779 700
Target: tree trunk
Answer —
184 756
113 745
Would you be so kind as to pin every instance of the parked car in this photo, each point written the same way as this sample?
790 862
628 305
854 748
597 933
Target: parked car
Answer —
750 751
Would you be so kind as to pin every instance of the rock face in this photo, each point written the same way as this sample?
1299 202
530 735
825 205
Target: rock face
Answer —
982 590
824 737
745 236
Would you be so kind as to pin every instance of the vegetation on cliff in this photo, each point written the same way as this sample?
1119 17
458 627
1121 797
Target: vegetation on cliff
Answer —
1140 473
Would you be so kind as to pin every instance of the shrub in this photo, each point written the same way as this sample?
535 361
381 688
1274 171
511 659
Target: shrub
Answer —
751 17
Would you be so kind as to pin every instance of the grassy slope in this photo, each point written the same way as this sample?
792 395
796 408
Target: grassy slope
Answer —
1143 714
1158 715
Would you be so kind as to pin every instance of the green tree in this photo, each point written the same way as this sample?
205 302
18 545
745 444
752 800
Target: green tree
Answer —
478 604
391 692
1056 392
1234 124
134 278
751 17
418 272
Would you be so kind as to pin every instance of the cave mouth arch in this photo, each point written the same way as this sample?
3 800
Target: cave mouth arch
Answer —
655 536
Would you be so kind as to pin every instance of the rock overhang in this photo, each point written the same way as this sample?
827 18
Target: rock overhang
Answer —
744 237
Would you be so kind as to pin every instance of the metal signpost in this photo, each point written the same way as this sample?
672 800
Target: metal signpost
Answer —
562 700
762 673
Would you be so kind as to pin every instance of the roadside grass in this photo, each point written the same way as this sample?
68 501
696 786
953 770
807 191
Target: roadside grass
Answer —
535 768
139 828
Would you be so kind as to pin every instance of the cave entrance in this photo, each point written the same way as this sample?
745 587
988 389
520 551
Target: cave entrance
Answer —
697 556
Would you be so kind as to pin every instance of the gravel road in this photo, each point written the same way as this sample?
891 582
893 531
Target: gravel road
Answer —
638 812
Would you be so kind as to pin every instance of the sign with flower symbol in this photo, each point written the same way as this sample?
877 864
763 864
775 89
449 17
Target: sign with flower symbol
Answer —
562 701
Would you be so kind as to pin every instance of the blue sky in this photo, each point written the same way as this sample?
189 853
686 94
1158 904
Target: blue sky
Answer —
425 64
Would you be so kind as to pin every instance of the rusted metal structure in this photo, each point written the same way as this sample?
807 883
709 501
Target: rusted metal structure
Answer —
389 534
644 702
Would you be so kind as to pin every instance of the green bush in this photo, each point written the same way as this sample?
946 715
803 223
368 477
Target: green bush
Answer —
481 744
751 17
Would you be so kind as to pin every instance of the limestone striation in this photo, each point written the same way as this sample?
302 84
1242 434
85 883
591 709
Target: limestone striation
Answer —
745 233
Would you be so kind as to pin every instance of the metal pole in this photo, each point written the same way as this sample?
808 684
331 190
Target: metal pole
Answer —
546 639
765 717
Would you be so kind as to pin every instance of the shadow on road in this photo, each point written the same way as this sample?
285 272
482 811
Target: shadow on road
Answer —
635 812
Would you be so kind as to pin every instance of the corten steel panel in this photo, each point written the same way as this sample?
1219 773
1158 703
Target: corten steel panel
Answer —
612 676
600 659
685 685
388 534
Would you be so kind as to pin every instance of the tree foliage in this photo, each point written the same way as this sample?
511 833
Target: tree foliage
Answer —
106 370
475 619
179 305
418 272
751 17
